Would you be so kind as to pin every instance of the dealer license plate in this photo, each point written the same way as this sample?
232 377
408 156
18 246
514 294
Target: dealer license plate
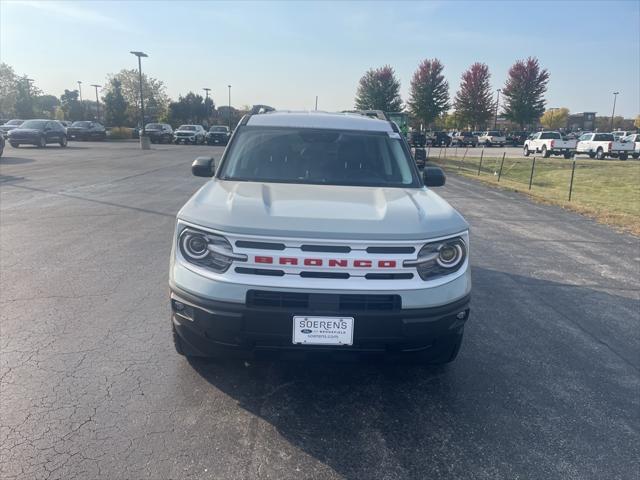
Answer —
309 330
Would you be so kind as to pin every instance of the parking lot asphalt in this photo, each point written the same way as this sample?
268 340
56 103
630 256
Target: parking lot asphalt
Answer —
546 386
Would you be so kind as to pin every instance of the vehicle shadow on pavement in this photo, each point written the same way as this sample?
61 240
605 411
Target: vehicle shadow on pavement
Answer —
14 160
531 377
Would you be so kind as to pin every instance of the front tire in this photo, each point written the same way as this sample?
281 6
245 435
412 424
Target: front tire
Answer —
42 142
14 144
600 154
635 155
526 152
63 141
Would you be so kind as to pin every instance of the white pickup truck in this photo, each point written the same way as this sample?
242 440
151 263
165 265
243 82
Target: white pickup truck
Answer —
491 138
549 143
634 139
603 145
316 233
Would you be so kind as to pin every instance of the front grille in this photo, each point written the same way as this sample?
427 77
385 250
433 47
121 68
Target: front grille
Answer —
323 301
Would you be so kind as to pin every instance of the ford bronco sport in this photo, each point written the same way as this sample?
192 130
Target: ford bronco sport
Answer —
316 232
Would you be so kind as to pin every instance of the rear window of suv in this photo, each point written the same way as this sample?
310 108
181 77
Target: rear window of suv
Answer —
319 156
550 136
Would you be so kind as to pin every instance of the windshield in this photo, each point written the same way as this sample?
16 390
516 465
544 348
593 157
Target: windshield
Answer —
153 126
37 124
319 156
550 136
14 122
80 124
493 134
189 128
218 129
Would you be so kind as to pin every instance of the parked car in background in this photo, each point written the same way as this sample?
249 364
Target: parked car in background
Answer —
159 132
439 139
620 134
10 125
635 140
189 134
416 139
86 130
218 135
516 138
492 138
549 143
603 145
38 132
464 139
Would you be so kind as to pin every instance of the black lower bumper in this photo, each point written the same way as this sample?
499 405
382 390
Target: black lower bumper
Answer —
212 328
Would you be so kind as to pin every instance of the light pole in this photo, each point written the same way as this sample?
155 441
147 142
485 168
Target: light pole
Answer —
229 106
206 107
143 136
615 96
316 102
495 122
97 101
80 94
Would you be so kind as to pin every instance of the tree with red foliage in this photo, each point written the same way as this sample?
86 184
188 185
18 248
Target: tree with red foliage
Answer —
379 89
429 92
524 91
474 102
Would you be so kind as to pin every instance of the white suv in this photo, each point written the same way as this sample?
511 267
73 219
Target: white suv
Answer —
317 233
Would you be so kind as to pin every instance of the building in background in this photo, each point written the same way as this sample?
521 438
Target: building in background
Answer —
581 121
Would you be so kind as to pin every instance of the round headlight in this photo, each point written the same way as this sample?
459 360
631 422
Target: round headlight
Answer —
450 255
195 246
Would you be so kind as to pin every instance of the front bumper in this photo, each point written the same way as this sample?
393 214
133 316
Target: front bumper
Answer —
24 139
178 139
256 327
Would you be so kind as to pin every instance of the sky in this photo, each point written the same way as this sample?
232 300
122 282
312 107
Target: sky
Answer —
285 53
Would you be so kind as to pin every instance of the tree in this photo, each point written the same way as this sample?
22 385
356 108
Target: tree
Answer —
429 96
115 106
603 124
524 91
636 122
555 118
379 89
45 105
24 105
156 100
474 101
71 107
8 91
188 109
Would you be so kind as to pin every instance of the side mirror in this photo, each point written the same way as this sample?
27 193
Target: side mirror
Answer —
433 176
203 167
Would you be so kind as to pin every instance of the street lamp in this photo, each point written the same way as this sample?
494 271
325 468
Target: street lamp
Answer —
229 106
615 96
495 122
144 132
206 107
80 94
97 101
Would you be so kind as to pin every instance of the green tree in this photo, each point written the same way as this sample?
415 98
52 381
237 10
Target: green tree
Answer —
71 106
24 105
156 100
555 118
636 122
603 124
8 91
524 91
188 109
429 96
474 101
45 105
115 105
379 89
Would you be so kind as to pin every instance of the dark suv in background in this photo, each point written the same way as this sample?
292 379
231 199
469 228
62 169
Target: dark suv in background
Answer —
86 130
39 133
218 134
417 139
159 132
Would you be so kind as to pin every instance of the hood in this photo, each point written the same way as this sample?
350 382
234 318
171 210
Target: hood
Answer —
191 132
321 211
